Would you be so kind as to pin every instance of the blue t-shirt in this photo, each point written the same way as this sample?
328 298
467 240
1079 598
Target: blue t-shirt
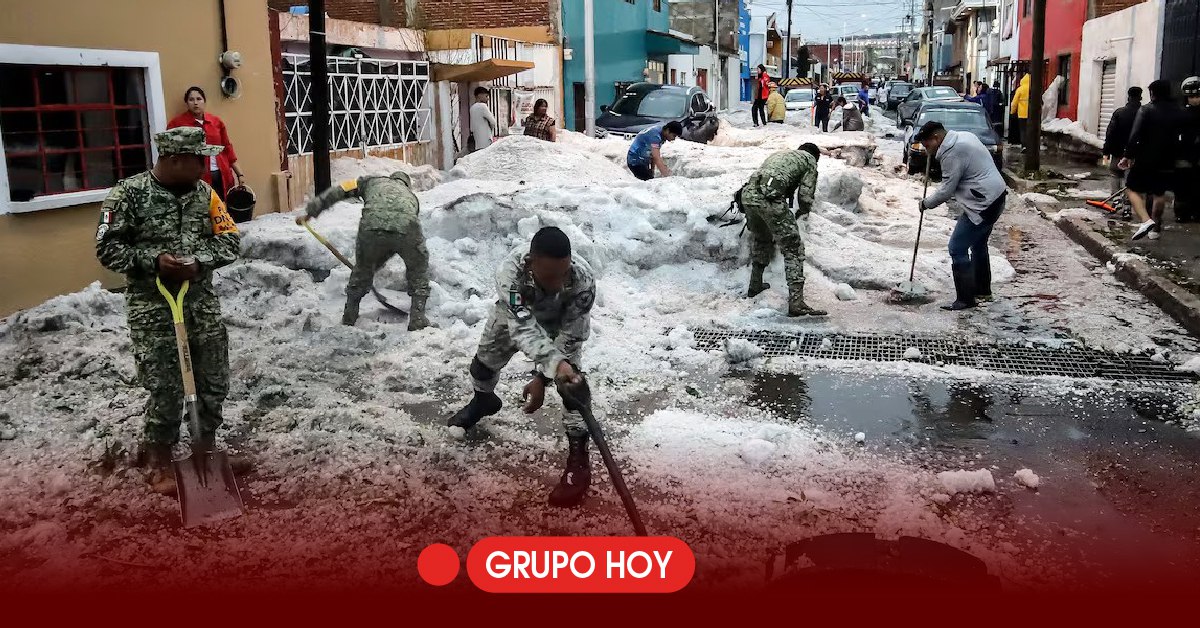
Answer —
639 150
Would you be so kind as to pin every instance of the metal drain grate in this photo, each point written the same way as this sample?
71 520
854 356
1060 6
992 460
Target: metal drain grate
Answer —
1068 360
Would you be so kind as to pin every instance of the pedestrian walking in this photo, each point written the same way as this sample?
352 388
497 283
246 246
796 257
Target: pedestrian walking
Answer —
822 108
223 171
168 224
762 90
1020 108
389 226
970 176
543 309
645 152
776 108
766 200
483 123
1150 158
539 124
1187 186
1116 137
864 101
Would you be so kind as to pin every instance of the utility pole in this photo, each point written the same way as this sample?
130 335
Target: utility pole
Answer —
787 63
929 53
589 69
319 93
1033 134
717 52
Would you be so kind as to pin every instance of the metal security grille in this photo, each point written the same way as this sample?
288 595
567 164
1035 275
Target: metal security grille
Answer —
372 103
1108 96
1067 360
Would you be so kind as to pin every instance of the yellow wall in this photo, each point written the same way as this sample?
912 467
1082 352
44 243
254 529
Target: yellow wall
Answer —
454 39
51 252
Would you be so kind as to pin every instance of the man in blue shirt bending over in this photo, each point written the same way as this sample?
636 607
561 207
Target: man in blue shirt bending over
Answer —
644 152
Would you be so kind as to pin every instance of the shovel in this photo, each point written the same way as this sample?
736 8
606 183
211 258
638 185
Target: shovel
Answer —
910 291
207 490
614 471
345 260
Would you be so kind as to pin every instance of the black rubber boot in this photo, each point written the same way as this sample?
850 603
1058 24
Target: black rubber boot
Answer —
964 286
983 281
576 477
757 285
350 314
482 405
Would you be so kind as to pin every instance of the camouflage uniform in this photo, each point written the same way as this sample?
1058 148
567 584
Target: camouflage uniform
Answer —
140 220
389 226
548 328
765 199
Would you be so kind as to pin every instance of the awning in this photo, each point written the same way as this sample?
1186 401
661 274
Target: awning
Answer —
486 70
660 43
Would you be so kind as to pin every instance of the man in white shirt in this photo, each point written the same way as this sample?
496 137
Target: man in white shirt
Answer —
483 123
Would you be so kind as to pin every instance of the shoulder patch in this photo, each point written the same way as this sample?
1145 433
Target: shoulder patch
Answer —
515 298
221 221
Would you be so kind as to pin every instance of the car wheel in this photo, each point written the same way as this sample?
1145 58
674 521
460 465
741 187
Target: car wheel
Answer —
914 167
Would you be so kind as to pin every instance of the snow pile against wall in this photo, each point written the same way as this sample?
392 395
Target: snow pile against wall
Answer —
423 177
1073 129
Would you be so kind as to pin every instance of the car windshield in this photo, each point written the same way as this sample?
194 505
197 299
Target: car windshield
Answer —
657 103
800 95
900 89
941 92
848 89
955 119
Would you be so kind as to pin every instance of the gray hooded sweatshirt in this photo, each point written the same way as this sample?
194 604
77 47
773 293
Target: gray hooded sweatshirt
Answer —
968 174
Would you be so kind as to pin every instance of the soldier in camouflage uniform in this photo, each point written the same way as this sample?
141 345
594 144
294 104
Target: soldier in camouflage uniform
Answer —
389 226
543 309
765 199
168 223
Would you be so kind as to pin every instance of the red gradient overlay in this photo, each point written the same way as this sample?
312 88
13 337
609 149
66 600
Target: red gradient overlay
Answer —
614 564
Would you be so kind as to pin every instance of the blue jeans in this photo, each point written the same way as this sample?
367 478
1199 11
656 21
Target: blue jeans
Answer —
969 241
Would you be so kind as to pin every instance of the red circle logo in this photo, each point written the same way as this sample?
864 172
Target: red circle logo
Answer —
438 564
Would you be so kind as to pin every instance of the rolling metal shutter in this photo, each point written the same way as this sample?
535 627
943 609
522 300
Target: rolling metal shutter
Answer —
1108 96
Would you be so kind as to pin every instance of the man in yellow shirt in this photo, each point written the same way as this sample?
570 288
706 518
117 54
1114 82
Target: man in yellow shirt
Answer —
776 109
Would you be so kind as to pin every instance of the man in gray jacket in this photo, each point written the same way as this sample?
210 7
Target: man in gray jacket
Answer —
543 309
970 176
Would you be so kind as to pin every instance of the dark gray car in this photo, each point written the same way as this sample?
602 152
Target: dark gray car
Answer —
646 104
966 117
907 110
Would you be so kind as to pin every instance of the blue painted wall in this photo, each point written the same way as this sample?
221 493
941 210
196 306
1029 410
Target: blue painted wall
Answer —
620 35
744 48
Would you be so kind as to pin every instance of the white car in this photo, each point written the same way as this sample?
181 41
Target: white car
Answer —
799 99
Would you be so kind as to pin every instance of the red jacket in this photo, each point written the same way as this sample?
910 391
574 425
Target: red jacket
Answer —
764 86
216 134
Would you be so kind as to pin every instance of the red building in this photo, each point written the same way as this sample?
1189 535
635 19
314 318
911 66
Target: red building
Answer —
1064 41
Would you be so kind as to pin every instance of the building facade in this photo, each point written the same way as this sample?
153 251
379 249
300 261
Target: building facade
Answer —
1120 50
1063 47
106 87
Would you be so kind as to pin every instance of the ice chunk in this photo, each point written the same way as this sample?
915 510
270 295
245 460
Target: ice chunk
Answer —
960 481
681 338
860 437
1192 365
1039 199
457 432
756 451
912 353
528 226
826 345
844 292
739 350
842 189
1027 478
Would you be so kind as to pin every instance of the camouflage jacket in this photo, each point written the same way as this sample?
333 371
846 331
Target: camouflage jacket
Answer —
389 205
548 328
141 219
786 173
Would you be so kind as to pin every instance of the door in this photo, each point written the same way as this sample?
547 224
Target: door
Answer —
1108 96
580 96
702 79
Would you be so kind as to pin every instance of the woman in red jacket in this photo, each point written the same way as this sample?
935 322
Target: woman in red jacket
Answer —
223 170
762 90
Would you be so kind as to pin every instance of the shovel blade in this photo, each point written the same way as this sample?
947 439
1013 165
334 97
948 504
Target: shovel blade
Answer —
208 491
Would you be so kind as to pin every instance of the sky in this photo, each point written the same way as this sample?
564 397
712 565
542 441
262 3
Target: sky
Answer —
818 20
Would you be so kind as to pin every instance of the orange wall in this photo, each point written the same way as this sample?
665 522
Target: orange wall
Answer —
51 252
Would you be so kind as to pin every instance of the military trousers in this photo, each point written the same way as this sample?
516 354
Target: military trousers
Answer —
373 250
772 225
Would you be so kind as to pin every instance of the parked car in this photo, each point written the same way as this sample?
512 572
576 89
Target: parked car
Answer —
956 116
645 104
848 90
800 99
895 94
907 110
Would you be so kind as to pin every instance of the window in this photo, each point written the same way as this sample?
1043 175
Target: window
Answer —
657 103
1026 11
1064 70
698 105
373 102
658 5
73 122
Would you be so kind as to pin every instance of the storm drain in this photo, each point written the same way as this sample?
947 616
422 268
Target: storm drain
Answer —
1057 358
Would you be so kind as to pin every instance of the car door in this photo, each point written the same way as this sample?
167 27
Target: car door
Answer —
908 108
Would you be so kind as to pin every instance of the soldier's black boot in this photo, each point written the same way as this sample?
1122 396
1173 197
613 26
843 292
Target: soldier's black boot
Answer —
964 287
416 314
161 476
757 285
350 314
483 404
577 476
796 304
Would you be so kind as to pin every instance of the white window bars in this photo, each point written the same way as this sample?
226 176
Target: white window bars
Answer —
372 103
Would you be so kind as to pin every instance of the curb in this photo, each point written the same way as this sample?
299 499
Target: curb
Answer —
1180 304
